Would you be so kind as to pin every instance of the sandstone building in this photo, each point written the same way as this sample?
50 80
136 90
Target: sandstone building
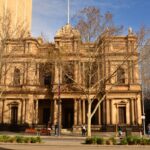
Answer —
31 72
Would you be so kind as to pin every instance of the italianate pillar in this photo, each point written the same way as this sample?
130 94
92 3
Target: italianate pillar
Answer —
83 110
107 111
75 112
37 111
79 112
132 111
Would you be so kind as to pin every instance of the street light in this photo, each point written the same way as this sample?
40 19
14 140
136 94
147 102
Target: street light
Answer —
143 111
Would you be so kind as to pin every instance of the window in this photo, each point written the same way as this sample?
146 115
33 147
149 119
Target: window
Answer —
47 80
68 73
120 76
122 115
91 74
45 74
16 76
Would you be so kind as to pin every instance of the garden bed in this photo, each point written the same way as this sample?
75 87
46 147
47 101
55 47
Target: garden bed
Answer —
129 140
19 139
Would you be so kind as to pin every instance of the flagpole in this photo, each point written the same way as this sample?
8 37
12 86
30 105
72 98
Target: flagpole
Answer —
68 11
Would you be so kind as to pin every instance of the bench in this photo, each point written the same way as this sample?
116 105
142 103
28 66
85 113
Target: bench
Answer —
30 131
38 131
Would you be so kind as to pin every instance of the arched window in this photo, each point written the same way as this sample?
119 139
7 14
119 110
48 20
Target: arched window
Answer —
120 76
16 76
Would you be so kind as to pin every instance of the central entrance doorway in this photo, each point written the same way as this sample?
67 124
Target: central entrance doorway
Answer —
67 113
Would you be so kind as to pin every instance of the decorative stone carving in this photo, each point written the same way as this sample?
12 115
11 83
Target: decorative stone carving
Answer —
68 31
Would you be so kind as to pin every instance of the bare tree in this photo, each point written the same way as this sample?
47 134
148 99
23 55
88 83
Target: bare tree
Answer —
91 23
101 29
9 33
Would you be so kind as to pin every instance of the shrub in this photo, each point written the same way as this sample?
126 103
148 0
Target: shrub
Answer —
100 141
11 139
26 139
144 141
88 141
1 139
124 141
131 140
38 139
137 140
19 139
94 140
148 141
33 140
5 138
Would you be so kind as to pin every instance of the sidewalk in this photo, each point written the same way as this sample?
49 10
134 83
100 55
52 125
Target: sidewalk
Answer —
65 135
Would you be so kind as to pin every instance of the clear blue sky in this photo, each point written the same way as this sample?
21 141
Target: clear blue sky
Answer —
50 15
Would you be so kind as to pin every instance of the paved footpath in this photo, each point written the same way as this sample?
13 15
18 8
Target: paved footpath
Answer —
68 147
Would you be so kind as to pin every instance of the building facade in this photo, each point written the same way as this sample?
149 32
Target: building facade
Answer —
37 78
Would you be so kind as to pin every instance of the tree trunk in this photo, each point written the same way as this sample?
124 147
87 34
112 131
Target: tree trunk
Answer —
89 120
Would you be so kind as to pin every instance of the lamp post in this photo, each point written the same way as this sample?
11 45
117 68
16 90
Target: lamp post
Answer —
143 113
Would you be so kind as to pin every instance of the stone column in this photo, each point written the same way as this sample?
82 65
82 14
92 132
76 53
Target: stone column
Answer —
75 112
139 112
107 112
21 118
132 112
128 121
56 73
79 73
3 110
23 110
20 111
37 112
111 108
83 112
30 111
135 111
76 72
79 112
99 114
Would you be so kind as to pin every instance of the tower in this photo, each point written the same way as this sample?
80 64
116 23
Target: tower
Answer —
19 10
